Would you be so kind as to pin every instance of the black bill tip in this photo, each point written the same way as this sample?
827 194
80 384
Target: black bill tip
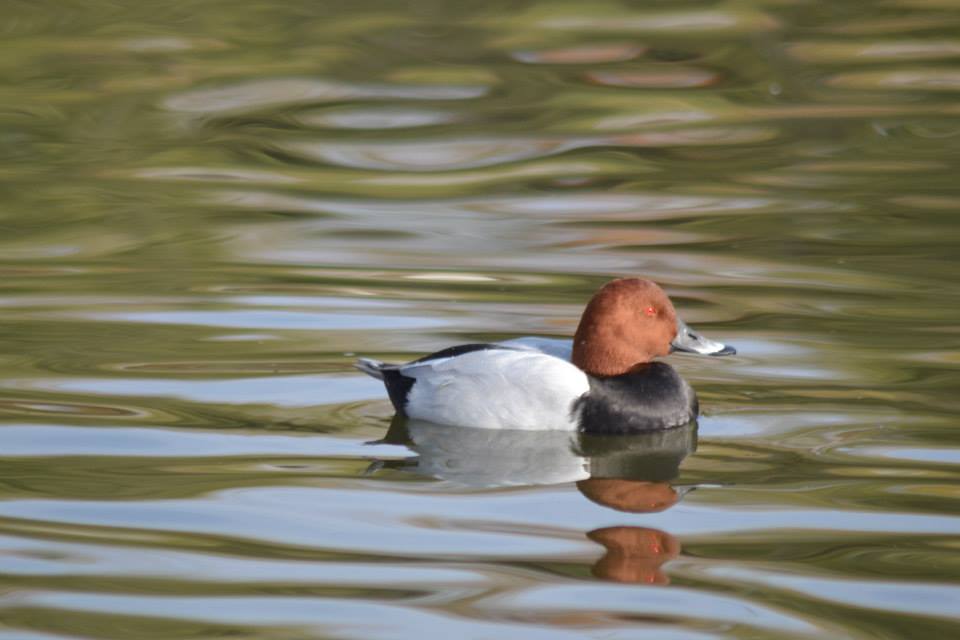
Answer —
726 351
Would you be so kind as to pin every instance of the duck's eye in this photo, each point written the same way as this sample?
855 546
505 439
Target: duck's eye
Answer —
650 311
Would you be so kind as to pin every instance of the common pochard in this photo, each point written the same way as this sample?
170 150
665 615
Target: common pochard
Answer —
606 381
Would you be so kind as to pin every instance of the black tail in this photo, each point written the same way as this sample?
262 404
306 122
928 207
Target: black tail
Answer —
373 368
398 385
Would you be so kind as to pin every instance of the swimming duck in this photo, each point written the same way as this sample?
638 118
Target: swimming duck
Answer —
606 381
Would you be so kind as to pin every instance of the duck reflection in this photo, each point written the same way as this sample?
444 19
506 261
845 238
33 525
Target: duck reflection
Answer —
631 474
634 554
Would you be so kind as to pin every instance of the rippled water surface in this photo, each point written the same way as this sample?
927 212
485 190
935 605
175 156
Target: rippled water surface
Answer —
210 208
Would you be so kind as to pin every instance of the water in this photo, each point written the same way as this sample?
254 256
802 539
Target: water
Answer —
209 209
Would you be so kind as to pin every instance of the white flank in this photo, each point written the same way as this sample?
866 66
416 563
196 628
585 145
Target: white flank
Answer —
497 389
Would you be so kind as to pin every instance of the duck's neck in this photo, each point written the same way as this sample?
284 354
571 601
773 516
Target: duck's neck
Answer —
598 351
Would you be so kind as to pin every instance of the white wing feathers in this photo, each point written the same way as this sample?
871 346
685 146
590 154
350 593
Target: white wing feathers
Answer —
499 389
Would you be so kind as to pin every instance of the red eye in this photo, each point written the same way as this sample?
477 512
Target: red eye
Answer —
650 311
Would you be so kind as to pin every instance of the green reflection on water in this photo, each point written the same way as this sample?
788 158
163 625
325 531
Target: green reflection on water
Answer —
210 209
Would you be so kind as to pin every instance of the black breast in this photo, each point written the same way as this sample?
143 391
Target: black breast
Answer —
652 396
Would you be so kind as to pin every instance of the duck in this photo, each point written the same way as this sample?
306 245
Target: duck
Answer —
605 381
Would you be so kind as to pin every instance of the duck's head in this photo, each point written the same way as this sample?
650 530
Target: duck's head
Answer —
629 322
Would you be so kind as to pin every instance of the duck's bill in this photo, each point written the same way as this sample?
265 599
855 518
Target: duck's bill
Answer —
689 341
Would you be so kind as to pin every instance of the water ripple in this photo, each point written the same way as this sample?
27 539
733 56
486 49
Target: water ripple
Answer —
919 79
469 153
257 94
211 212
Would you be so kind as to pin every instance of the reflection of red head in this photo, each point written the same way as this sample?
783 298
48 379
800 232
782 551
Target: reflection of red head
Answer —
634 554
634 496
